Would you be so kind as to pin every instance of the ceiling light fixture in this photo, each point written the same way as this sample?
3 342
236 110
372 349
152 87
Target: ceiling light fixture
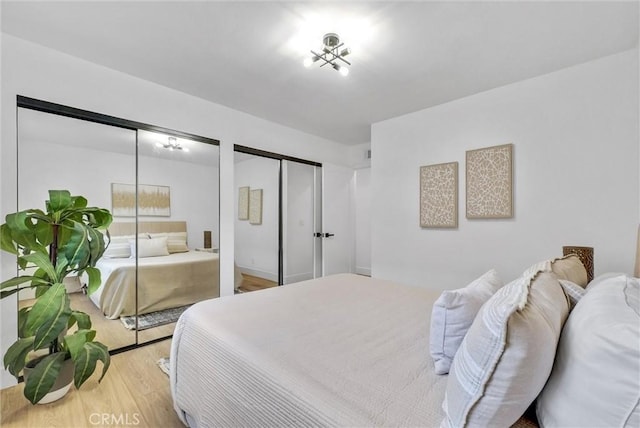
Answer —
172 144
331 53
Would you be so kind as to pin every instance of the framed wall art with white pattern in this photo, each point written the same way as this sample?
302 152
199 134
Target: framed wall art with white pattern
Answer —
489 184
439 195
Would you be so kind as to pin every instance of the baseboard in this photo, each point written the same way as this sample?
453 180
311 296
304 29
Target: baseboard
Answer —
290 279
363 271
259 273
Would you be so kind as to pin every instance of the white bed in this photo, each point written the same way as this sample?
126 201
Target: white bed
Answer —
348 350
319 353
179 277
163 282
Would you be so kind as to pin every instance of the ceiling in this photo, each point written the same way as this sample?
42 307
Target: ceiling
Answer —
406 56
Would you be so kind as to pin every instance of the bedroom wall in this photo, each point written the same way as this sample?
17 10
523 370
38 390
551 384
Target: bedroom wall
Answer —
35 71
77 170
256 245
575 136
363 220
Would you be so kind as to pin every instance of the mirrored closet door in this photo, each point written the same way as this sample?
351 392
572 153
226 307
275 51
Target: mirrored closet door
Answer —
278 239
162 189
59 152
178 182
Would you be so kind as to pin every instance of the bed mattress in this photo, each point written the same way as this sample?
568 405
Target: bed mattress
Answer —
343 350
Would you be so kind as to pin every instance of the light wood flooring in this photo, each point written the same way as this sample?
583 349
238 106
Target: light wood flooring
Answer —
254 283
112 332
134 389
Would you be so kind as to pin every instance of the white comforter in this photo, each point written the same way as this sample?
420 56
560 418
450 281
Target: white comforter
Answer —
344 350
163 282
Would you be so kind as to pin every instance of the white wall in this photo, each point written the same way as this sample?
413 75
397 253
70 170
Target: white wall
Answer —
256 245
363 220
575 136
86 172
35 71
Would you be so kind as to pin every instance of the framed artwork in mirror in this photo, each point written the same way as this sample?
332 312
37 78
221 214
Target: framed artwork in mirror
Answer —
255 206
243 203
153 201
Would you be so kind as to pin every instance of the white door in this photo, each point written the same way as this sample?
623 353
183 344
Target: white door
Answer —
338 249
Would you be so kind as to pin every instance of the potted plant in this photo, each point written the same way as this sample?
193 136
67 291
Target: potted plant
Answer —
64 240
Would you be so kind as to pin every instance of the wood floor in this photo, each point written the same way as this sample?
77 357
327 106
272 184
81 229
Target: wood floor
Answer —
135 392
254 283
112 332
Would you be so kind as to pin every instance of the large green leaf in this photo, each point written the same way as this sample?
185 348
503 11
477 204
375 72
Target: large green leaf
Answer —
75 342
78 202
59 200
16 356
49 315
6 242
94 279
23 314
96 245
83 320
76 249
43 376
85 362
23 231
22 279
44 232
42 261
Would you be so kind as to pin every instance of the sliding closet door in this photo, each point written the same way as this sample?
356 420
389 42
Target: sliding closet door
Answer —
301 211
86 158
257 191
177 227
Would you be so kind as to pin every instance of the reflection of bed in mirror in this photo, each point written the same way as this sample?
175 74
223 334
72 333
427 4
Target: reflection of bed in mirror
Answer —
169 273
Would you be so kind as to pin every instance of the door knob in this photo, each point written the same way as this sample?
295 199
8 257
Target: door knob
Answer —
328 235
317 235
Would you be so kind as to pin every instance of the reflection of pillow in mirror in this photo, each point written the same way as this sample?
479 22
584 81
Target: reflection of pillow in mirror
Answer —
176 241
118 247
149 247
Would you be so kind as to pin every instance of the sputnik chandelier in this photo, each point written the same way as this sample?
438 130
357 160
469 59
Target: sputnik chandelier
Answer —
331 54
172 144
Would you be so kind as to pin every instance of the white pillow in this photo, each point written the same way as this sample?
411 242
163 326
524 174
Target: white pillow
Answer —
507 354
118 247
149 247
176 241
452 315
596 377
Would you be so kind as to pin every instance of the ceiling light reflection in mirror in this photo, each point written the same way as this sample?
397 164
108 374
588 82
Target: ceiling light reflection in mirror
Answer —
171 147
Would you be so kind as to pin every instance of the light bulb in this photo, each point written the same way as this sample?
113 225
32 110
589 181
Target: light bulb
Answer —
159 145
344 71
307 62
345 52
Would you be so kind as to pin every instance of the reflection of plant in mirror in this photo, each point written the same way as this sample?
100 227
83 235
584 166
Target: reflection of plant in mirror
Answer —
66 239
